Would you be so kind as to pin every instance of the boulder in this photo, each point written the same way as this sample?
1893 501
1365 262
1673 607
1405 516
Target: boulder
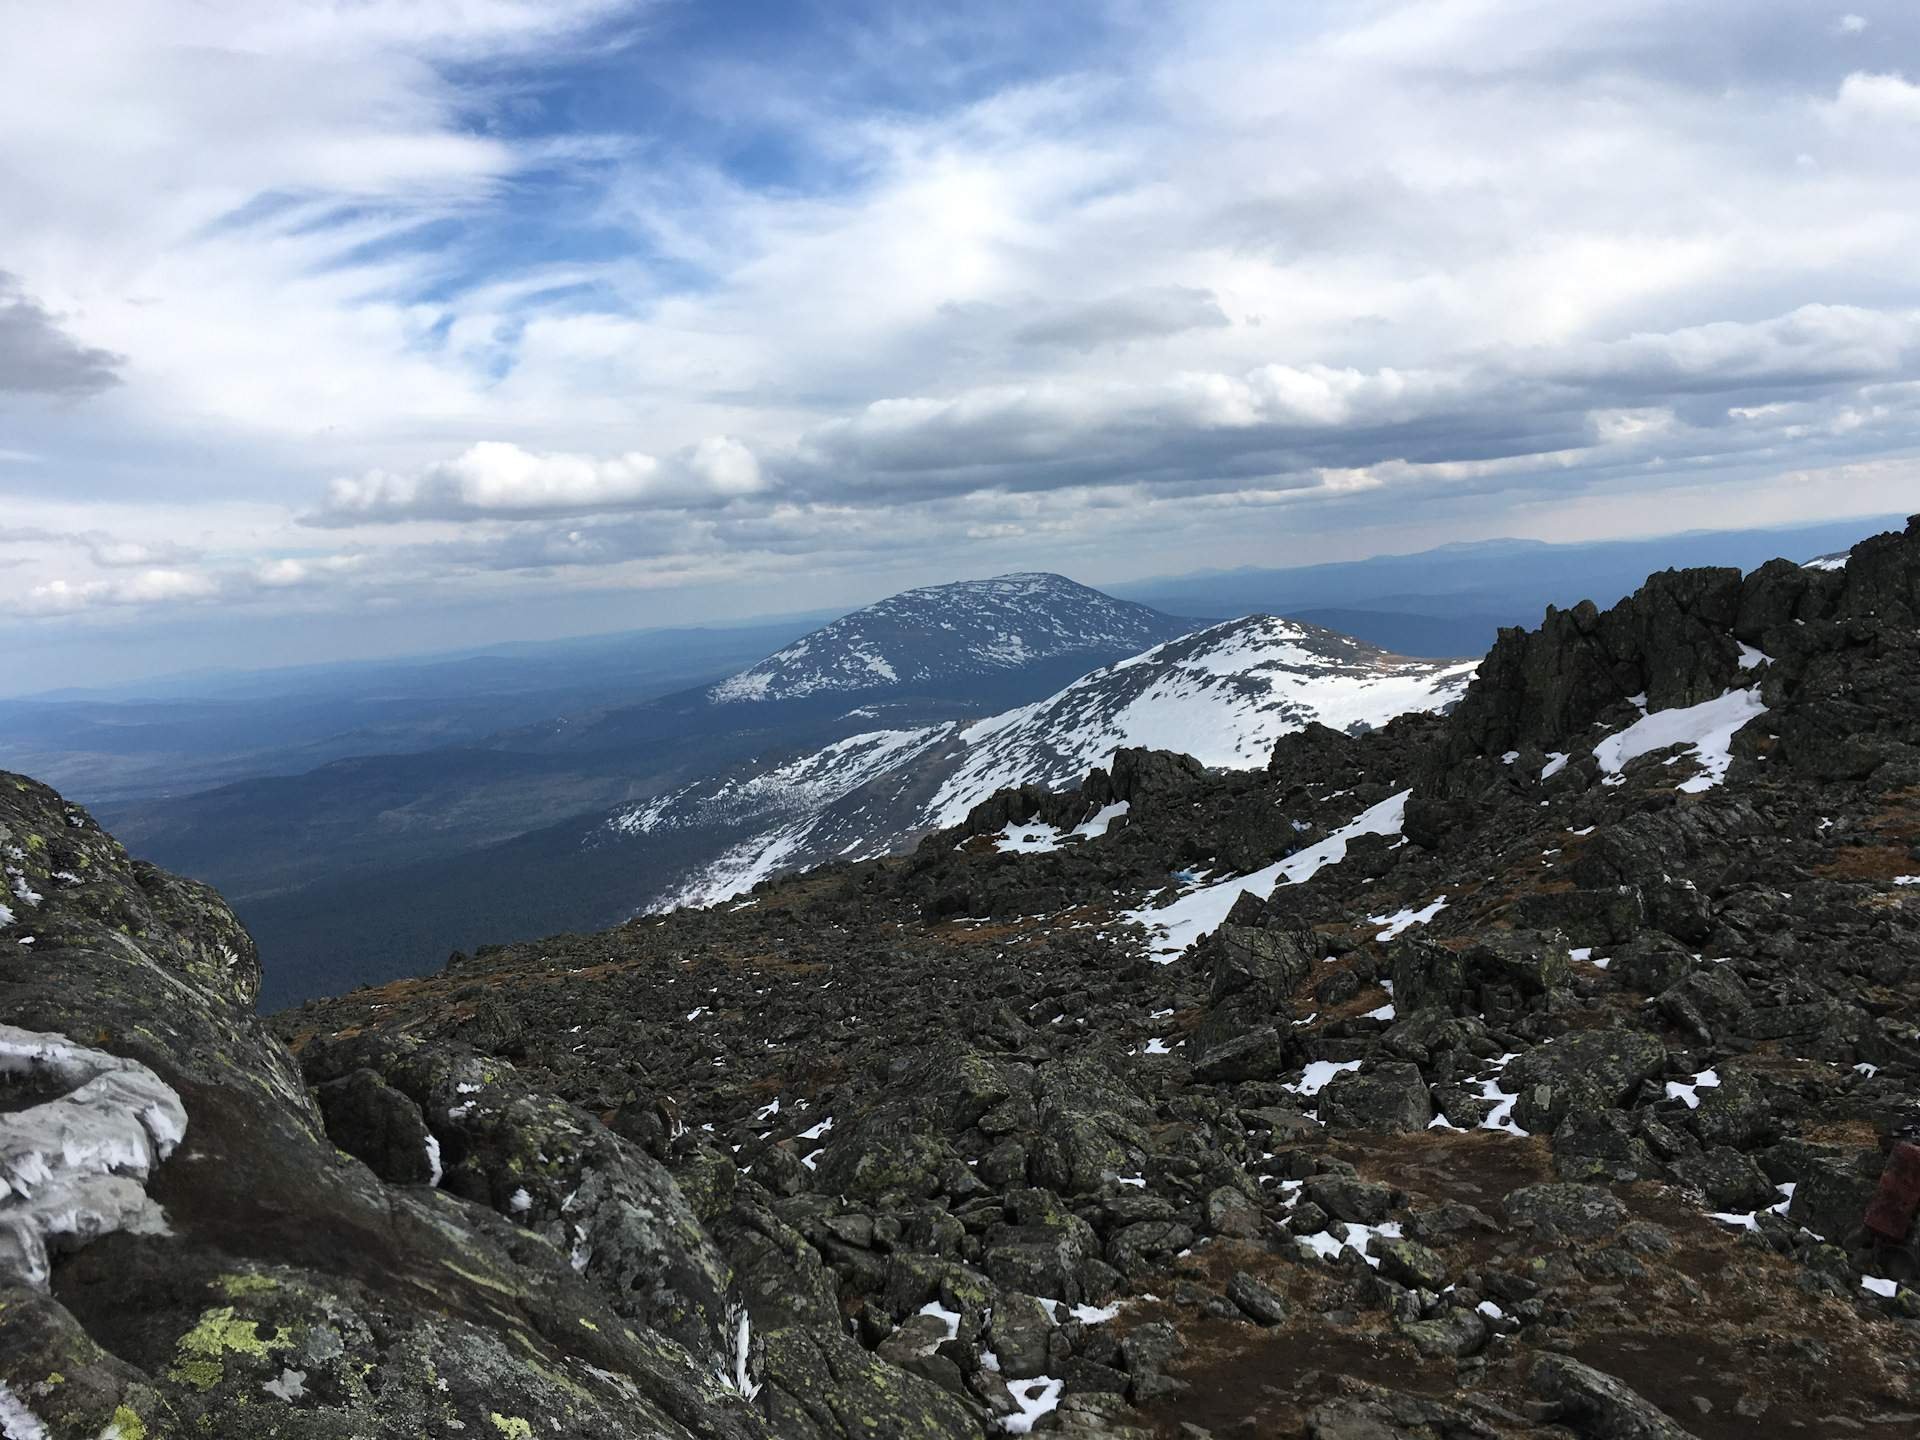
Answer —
1597 1405
1389 1099
1257 1301
1579 1212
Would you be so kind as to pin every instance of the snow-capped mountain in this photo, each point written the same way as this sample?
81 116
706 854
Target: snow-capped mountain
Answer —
1223 695
940 635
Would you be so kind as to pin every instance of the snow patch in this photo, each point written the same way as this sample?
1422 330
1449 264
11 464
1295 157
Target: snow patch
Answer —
1707 729
1402 920
1035 1397
1318 1073
1690 1094
75 1167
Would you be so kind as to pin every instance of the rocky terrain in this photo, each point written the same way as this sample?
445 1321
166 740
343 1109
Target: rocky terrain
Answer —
1523 1071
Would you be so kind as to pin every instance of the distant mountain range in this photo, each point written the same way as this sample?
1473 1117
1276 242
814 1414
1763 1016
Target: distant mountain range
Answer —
1453 599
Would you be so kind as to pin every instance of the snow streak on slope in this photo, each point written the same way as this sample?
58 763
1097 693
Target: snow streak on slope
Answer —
1221 695
945 633
1199 912
799 787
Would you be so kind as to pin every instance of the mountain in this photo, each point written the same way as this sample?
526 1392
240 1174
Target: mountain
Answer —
372 865
1222 694
934 638
1543 1069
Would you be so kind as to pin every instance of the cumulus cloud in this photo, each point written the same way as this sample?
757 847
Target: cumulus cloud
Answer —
148 587
38 356
1870 96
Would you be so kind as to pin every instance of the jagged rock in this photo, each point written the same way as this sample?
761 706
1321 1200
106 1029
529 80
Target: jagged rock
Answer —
1411 1263
1578 1211
1254 974
1345 1198
1709 1002
607 1205
1232 1214
1451 1335
1262 1054
1604 1066
1729 1180
1148 1349
1601 1144
1138 1248
817 1385
372 1121
1043 1249
1830 1195
1018 1334
1353 1420
1529 964
1597 1405
1734 1113
1257 1301
1426 977
1388 1099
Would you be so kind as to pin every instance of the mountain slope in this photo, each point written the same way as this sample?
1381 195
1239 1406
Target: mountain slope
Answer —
1543 1070
1223 694
942 634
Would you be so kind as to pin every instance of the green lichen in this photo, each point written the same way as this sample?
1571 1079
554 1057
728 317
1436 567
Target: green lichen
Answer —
126 1424
478 1279
199 1354
512 1426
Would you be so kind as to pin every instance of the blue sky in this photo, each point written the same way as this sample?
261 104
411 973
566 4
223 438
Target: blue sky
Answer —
332 328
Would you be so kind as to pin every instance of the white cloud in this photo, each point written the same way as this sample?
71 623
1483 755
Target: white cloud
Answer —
149 587
1865 95
1240 278
495 478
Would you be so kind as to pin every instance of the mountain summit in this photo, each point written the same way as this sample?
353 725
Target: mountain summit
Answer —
941 635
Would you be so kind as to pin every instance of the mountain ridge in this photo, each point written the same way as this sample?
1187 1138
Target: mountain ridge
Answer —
1223 693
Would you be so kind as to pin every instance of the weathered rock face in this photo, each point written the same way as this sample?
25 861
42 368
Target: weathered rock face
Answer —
184 1250
1547 1105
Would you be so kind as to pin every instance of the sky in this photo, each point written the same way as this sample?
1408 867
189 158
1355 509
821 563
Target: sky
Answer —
333 329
